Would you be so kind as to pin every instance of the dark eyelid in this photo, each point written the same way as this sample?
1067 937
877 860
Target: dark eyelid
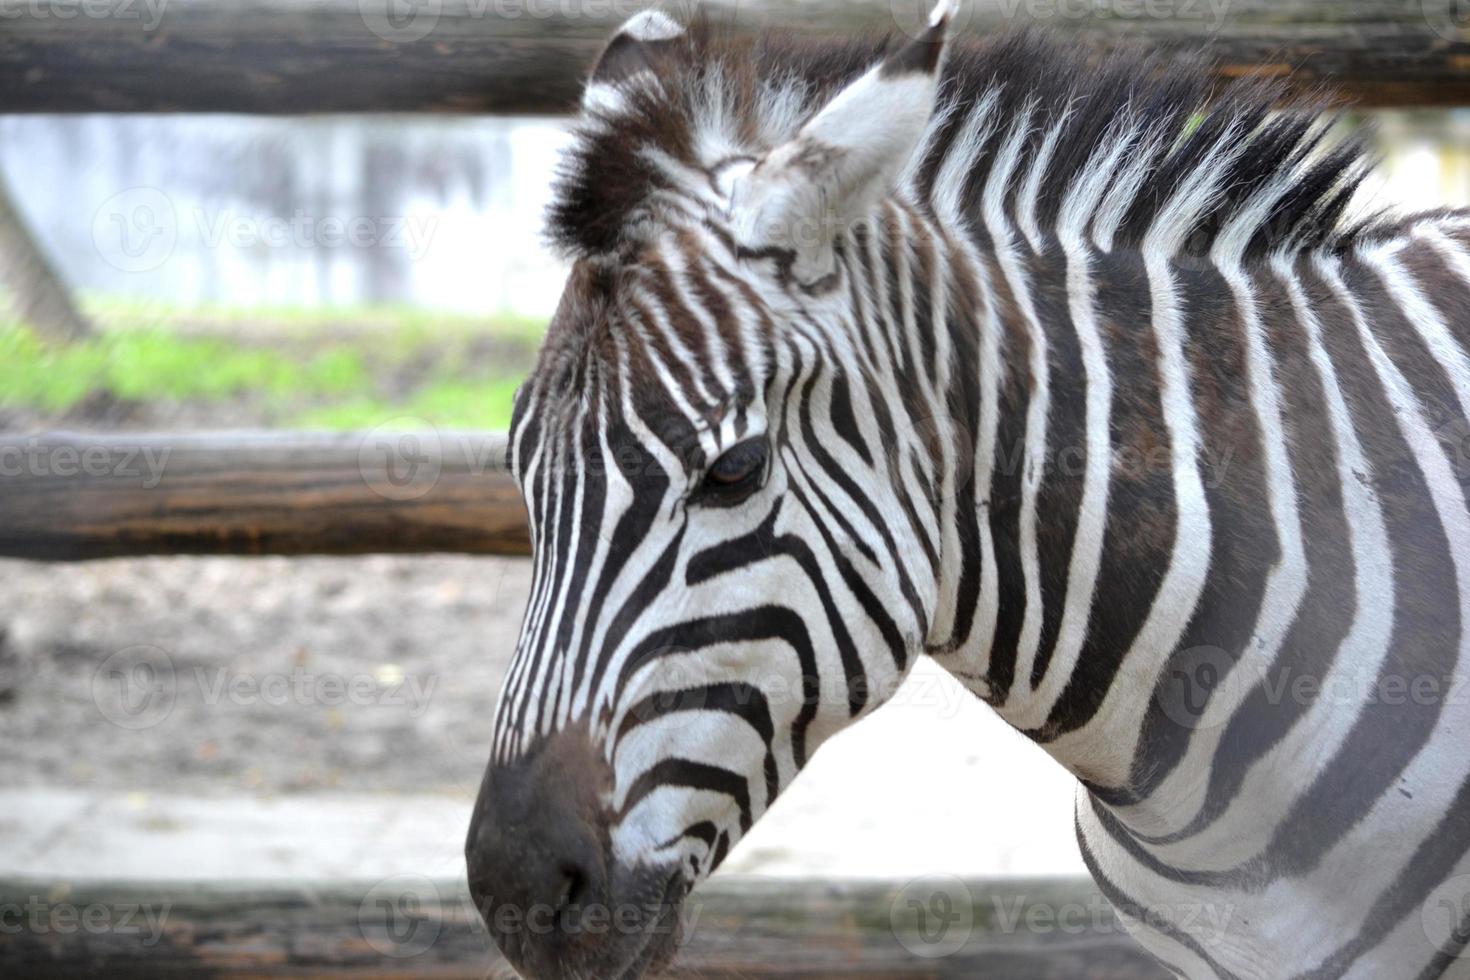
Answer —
749 459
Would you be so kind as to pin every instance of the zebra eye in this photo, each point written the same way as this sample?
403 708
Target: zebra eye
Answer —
736 474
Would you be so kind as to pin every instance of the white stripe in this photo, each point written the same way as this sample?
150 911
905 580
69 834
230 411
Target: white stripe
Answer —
973 660
1031 192
1271 787
1426 320
905 272
1033 467
1078 206
1105 747
1286 583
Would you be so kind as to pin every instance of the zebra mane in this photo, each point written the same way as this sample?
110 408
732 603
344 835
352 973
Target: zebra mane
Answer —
714 96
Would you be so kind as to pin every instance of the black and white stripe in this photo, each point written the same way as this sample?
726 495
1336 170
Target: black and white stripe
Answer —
1068 376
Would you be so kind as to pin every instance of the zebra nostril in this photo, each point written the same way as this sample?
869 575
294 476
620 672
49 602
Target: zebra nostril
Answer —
573 887
538 857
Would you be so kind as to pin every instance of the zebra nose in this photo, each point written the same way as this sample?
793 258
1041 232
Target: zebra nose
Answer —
537 853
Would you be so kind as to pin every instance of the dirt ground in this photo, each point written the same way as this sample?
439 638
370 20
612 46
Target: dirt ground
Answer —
158 692
270 675
217 696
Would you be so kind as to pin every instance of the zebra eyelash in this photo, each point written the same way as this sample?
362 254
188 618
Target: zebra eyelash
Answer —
715 489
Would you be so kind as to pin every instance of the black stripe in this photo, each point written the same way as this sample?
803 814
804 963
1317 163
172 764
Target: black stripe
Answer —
692 775
747 626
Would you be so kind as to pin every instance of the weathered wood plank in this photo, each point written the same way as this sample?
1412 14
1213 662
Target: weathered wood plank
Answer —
1007 929
528 56
73 496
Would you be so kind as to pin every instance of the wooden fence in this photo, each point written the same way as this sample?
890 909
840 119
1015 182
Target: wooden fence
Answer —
70 497
73 496
412 927
528 56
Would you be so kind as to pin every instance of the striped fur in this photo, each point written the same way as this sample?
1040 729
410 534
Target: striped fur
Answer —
1074 378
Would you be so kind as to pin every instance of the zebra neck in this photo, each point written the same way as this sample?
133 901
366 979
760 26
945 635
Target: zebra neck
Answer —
992 356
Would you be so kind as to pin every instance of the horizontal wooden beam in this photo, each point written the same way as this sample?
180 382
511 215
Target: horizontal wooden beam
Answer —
529 56
75 496
412 927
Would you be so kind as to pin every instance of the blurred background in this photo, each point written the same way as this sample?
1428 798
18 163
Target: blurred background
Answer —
331 717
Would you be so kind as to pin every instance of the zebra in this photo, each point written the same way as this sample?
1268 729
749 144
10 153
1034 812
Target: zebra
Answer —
1079 376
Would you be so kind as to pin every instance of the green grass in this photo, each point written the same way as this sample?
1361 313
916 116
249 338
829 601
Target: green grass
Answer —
152 364
402 323
446 404
319 368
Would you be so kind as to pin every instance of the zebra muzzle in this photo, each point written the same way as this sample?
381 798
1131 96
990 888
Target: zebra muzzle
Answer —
542 874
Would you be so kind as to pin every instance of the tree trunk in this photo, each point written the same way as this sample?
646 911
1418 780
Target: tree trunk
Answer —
37 294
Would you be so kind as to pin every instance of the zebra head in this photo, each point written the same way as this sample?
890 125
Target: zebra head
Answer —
725 573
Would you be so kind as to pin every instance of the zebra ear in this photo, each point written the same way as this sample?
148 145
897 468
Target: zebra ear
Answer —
628 54
799 197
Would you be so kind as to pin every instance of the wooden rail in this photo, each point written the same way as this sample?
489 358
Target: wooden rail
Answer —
411 927
73 496
528 56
